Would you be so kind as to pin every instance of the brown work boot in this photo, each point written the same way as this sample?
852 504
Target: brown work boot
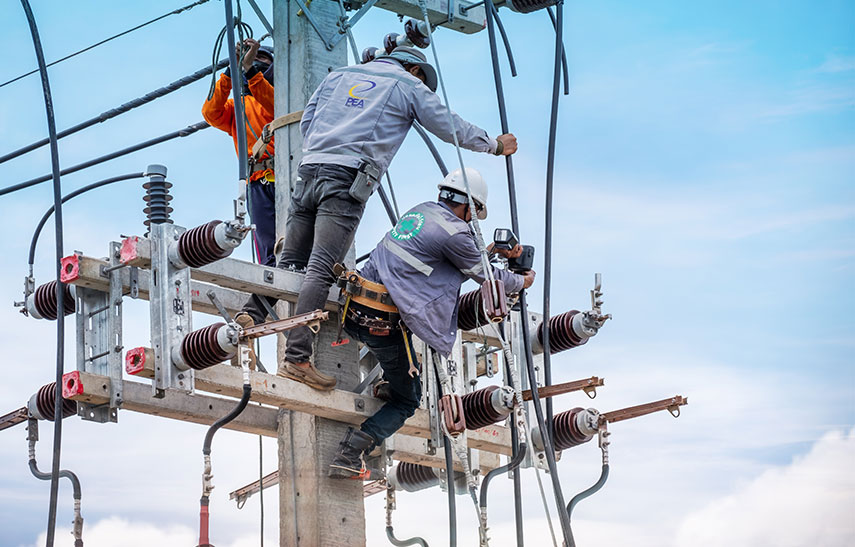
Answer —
245 321
307 374
277 248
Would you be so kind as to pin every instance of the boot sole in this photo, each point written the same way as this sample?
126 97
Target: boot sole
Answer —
304 380
348 473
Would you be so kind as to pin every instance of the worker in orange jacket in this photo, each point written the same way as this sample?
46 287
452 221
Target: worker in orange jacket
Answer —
219 111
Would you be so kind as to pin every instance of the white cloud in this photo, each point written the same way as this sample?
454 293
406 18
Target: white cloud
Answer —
809 502
837 63
119 532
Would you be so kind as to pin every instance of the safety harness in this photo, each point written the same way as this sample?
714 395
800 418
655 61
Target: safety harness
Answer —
369 305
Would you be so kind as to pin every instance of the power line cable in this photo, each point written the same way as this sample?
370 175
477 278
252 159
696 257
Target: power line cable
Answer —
174 12
67 197
189 130
60 287
121 109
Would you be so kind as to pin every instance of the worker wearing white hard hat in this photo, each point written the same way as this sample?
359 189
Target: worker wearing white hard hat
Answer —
453 188
410 286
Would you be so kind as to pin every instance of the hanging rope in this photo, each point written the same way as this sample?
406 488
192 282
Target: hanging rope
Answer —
479 239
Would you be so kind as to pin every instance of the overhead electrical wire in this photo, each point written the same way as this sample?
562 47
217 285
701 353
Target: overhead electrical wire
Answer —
563 53
121 109
189 130
173 12
492 7
432 147
60 287
526 338
81 190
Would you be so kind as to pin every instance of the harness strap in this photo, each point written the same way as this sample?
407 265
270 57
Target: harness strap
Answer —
267 134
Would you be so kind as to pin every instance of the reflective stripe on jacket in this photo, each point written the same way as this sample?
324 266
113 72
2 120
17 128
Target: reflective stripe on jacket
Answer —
423 261
258 108
366 111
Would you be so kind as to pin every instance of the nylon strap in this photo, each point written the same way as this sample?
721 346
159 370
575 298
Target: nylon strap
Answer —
269 129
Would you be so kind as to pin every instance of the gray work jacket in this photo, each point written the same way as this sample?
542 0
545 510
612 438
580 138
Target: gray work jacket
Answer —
365 111
423 261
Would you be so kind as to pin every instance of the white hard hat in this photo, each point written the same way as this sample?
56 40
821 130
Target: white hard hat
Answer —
477 186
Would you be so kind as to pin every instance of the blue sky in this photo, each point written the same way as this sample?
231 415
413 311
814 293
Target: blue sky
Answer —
706 161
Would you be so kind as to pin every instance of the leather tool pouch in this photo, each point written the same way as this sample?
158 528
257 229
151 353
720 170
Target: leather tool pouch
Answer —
366 181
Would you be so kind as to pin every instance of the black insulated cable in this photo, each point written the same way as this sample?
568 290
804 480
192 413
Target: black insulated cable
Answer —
60 287
81 190
517 456
526 334
206 452
512 197
390 212
173 12
604 474
392 195
432 147
390 535
189 130
546 425
449 470
234 68
121 109
77 495
563 53
511 63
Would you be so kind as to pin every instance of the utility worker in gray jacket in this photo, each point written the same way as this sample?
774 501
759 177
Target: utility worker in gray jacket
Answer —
352 127
411 283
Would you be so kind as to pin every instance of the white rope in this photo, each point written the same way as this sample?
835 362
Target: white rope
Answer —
479 239
515 376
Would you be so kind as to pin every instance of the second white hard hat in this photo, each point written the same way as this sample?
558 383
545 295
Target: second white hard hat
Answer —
477 185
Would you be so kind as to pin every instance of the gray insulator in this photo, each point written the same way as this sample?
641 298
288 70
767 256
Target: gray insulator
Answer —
157 196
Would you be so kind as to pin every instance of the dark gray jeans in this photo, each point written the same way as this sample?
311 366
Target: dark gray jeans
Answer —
322 221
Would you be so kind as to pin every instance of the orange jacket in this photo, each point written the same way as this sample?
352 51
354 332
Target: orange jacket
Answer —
219 111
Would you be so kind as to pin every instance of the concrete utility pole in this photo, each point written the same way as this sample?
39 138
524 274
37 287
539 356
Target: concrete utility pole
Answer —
313 509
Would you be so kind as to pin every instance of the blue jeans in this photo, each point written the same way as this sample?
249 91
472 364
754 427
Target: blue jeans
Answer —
406 392
322 220
262 211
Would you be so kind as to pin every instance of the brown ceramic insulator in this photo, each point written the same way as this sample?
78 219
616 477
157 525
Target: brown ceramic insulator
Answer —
561 335
413 476
528 6
44 300
565 432
200 348
478 409
470 311
198 246
46 402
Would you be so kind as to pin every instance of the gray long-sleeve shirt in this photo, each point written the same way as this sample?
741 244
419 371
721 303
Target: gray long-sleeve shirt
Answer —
423 261
365 111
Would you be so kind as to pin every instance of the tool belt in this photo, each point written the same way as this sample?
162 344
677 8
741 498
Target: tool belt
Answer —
367 293
262 170
366 303
373 319
370 305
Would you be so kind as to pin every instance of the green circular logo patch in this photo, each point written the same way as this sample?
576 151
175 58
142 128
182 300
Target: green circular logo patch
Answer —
409 226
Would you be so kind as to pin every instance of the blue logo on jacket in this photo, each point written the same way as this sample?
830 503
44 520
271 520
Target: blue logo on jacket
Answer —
354 100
